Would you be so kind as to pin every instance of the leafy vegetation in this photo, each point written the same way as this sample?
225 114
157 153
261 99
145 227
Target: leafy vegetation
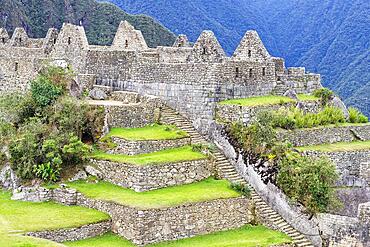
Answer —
355 116
27 216
267 100
324 94
100 20
309 181
245 190
206 190
246 236
166 156
338 147
43 128
150 132
305 180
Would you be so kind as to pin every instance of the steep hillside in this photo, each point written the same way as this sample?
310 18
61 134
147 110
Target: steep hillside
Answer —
327 36
99 19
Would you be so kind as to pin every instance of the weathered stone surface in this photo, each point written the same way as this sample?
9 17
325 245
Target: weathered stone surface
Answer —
79 176
8 178
74 234
291 94
150 177
323 135
98 94
338 103
140 147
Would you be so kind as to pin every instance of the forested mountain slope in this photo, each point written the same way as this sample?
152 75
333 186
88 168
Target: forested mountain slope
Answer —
100 20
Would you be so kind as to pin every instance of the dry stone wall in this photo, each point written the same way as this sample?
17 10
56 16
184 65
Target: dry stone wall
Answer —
150 177
324 135
348 165
246 114
74 234
140 147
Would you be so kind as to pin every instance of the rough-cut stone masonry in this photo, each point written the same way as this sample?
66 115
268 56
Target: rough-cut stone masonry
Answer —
140 147
190 78
338 231
324 135
155 225
348 165
246 114
150 177
74 234
351 198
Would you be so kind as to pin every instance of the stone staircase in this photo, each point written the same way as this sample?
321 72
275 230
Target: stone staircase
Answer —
228 171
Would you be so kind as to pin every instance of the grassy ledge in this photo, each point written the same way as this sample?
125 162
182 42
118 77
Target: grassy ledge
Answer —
247 236
267 100
20 217
206 190
338 147
148 133
166 156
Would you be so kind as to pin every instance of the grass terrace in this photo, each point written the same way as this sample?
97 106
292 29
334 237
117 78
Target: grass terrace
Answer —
338 147
174 155
267 100
149 132
247 236
206 190
18 217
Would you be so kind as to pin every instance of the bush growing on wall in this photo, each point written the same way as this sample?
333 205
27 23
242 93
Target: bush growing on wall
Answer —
355 116
43 128
324 94
304 180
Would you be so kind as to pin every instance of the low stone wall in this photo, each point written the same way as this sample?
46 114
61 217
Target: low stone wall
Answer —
343 231
150 177
246 115
155 225
140 147
349 164
323 135
74 234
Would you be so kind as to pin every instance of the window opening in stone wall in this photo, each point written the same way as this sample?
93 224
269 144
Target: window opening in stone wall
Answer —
204 51
20 40
3 40
55 41
126 43
249 53
263 71
250 73
237 72
16 67
69 40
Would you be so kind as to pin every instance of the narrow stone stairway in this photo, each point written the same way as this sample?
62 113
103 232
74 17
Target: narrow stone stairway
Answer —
228 171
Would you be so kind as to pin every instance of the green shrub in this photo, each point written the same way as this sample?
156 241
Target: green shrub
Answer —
355 116
294 118
75 151
17 108
324 94
309 181
44 92
245 190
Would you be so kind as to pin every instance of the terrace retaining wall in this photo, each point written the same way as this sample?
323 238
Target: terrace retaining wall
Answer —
352 166
74 234
323 135
150 177
247 114
139 147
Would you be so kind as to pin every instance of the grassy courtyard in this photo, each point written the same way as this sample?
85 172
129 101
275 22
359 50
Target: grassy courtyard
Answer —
18 217
175 155
338 147
267 100
149 132
247 236
206 190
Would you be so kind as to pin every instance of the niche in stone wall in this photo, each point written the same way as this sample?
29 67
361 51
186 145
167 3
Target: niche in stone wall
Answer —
263 71
250 73
16 66
69 40
249 53
237 72
3 40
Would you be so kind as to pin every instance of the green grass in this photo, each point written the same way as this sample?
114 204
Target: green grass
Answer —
247 236
166 156
338 147
150 132
206 190
20 217
267 100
